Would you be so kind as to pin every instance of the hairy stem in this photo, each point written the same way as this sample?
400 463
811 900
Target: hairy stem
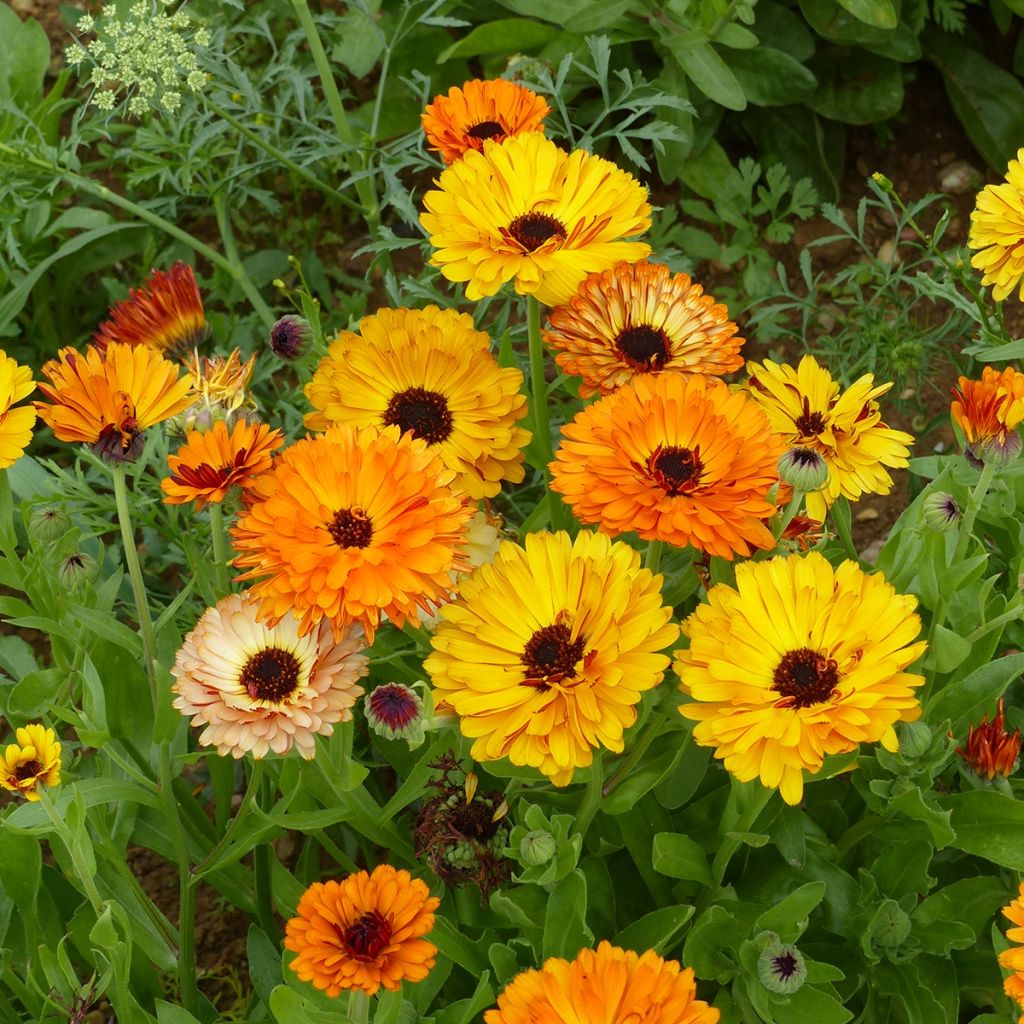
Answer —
220 554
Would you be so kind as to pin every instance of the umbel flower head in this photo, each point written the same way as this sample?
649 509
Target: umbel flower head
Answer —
33 761
638 318
431 374
526 211
607 985
364 932
16 425
991 749
674 458
989 411
107 399
997 231
798 661
210 463
350 526
493 109
259 689
166 313
220 390
1012 959
545 652
806 407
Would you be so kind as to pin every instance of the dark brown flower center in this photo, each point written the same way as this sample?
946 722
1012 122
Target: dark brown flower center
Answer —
351 528
810 424
474 820
532 230
676 470
550 656
424 413
785 965
271 674
644 348
394 705
805 677
485 130
367 937
28 770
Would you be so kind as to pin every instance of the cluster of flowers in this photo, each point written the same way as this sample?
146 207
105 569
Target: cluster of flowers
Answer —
544 650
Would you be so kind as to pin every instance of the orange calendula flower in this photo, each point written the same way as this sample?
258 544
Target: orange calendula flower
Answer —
991 748
673 458
638 318
997 231
527 211
1012 959
989 411
166 313
16 383
547 649
350 526
798 661
806 407
429 372
107 399
493 109
221 389
33 761
210 463
364 932
607 985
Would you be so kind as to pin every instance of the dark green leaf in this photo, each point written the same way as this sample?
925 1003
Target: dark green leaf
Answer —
879 13
857 88
656 930
964 702
506 35
988 824
770 77
779 27
706 69
788 918
565 924
678 856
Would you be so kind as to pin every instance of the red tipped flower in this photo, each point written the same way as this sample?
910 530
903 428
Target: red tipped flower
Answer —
991 750
395 712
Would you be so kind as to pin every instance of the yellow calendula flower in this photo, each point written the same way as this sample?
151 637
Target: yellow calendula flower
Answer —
997 231
798 661
16 425
807 408
33 760
547 649
526 211
221 389
1012 959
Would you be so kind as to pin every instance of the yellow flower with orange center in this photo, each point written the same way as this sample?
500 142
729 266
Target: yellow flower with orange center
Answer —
607 985
546 650
210 463
673 458
526 211
107 399
429 372
492 109
33 761
16 425
364 932
1012 959
807 408
166 314
798 661
638 318
990 410
997 231
350 526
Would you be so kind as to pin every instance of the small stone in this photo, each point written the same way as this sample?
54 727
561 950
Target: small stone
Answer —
946 158
959 178
887 253
886 217
872 551
867 514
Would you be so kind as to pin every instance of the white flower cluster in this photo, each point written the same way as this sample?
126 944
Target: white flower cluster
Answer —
149 56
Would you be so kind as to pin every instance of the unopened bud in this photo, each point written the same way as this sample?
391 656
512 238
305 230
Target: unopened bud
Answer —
915 738
891 926
781 968
47 524
803 469
395 712
940 511
1000 451
77 570
537 847
290 337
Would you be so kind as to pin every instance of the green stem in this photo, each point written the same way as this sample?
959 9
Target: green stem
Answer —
238 272
225 841
8 536
358 1006
83 873
592 795
1000 620
787 516
745 823
652 557
653 729
356 161
726 17
261 868
220 554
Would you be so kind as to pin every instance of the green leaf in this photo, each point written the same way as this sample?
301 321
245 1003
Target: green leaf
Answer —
678 856
771 78
859 88
666 752
813 1006
988 824
879 13
360 42
167 1013
788 918
913 804
838 25
33 693
901 868
21 865
287 1005
915 996
964 702
706 70
26 56
506 35
264 963
714 932
453 944
948 650
779 27
565 926
657 930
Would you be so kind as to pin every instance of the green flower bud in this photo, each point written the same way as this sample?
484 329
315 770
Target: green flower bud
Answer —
781 968
940 511
1000 452
47 524
395 712
915 739
290 337
537 847
803 469
77 570
891 926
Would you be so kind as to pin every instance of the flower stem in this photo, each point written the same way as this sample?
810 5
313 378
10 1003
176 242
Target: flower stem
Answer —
787 516
82 871
652 558
220 554
227 235
225 841
358 1006
592 795
745 823
652 731
261 867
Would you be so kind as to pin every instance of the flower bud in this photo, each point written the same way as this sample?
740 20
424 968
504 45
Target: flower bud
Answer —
803 469
940 511
781 968
537 847
915 739
1000 451
77 570
891 926
395 712
290 337
47 524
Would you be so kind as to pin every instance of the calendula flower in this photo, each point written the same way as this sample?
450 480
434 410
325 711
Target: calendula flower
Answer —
258 688
16 425
364 932
431 374
349 526
480 110
806 407
166 314
546 650
33 761
673 458
1012 959
991 749
527 211
395 711
997 231
220 390
989 411
107 399
210 463
638 318
607 985
798 661
290 337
